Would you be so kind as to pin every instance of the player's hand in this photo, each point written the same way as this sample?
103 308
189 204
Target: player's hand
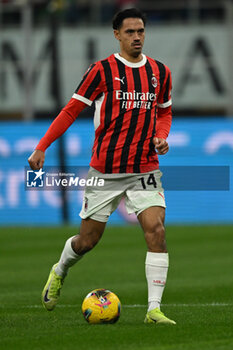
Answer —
36 160
161 145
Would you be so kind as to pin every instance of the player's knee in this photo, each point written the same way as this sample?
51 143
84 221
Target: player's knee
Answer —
155 236
156 227
160 230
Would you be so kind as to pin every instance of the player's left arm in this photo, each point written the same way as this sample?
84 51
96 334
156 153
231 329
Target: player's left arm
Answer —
164 115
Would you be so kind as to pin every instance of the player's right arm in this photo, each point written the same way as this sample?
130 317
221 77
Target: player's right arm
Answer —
85 94
63 121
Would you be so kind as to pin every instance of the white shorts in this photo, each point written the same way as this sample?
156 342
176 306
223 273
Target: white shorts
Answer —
140 192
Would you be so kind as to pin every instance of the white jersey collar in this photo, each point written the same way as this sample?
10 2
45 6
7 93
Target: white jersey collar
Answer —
131 64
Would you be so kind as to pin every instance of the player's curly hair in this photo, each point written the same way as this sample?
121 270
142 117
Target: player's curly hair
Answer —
127 13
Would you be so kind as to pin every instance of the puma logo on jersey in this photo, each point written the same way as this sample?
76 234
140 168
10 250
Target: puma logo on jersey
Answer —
121 80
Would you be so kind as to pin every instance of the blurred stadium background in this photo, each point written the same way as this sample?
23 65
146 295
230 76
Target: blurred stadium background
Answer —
46 46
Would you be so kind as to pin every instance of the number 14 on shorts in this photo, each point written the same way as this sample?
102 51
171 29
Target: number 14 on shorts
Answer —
148 181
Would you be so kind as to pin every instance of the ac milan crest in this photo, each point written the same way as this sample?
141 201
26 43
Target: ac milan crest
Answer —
154 81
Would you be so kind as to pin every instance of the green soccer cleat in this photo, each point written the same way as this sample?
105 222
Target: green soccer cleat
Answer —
156 316
51 291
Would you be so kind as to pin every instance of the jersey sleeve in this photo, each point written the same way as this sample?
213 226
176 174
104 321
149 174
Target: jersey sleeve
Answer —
62 122
163 122
90 86
164 98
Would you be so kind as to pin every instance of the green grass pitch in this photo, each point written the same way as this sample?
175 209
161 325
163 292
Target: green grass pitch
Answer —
198 295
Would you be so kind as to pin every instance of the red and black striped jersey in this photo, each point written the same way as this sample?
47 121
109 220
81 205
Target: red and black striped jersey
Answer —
126 97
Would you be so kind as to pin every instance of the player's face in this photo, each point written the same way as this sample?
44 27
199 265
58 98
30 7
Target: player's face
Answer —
131 36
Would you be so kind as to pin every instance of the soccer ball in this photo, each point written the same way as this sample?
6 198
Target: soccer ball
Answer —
101 306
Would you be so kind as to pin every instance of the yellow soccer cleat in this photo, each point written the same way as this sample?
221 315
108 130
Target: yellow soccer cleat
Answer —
51 291
156 316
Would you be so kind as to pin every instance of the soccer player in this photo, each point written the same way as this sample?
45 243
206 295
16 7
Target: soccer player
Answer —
132 97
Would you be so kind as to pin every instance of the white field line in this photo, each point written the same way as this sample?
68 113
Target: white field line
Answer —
133 306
